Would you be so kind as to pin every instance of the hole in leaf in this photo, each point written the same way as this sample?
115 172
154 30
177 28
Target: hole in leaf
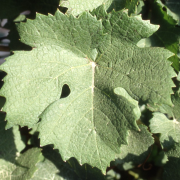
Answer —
65 91
164 9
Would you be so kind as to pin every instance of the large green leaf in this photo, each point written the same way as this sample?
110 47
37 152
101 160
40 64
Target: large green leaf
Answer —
171 169
169 129
92 122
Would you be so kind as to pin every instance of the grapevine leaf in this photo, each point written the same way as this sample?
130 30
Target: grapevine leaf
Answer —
173 7
92 122
10 9
171 169
137 149
169 129
26 164
10 146
168 35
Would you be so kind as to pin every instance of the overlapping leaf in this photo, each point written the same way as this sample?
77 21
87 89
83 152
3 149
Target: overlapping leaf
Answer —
10 147
171 169
168 35
169 129
26 164
76 7
173 7
137 149
92 122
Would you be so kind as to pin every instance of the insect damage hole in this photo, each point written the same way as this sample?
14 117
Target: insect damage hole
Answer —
65 91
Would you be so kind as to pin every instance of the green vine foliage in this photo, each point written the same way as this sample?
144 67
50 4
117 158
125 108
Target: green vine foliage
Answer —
90 90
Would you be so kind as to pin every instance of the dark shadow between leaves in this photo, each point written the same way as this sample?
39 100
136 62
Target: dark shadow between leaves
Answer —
168 144
10 9
7 146
136 160
171 169
71 169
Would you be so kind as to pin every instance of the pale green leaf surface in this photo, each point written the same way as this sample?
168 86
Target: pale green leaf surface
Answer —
171 169
111 175
169 129
123 92
76 7
10 147
26 164
137 149
92 122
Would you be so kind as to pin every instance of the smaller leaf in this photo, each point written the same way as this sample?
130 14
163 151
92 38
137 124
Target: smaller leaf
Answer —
76 7
26 164
131 5
168 35
169 129
10 147
171 169
173 7
137 149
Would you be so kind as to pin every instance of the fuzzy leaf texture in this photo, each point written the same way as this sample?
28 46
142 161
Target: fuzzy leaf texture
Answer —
93 58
